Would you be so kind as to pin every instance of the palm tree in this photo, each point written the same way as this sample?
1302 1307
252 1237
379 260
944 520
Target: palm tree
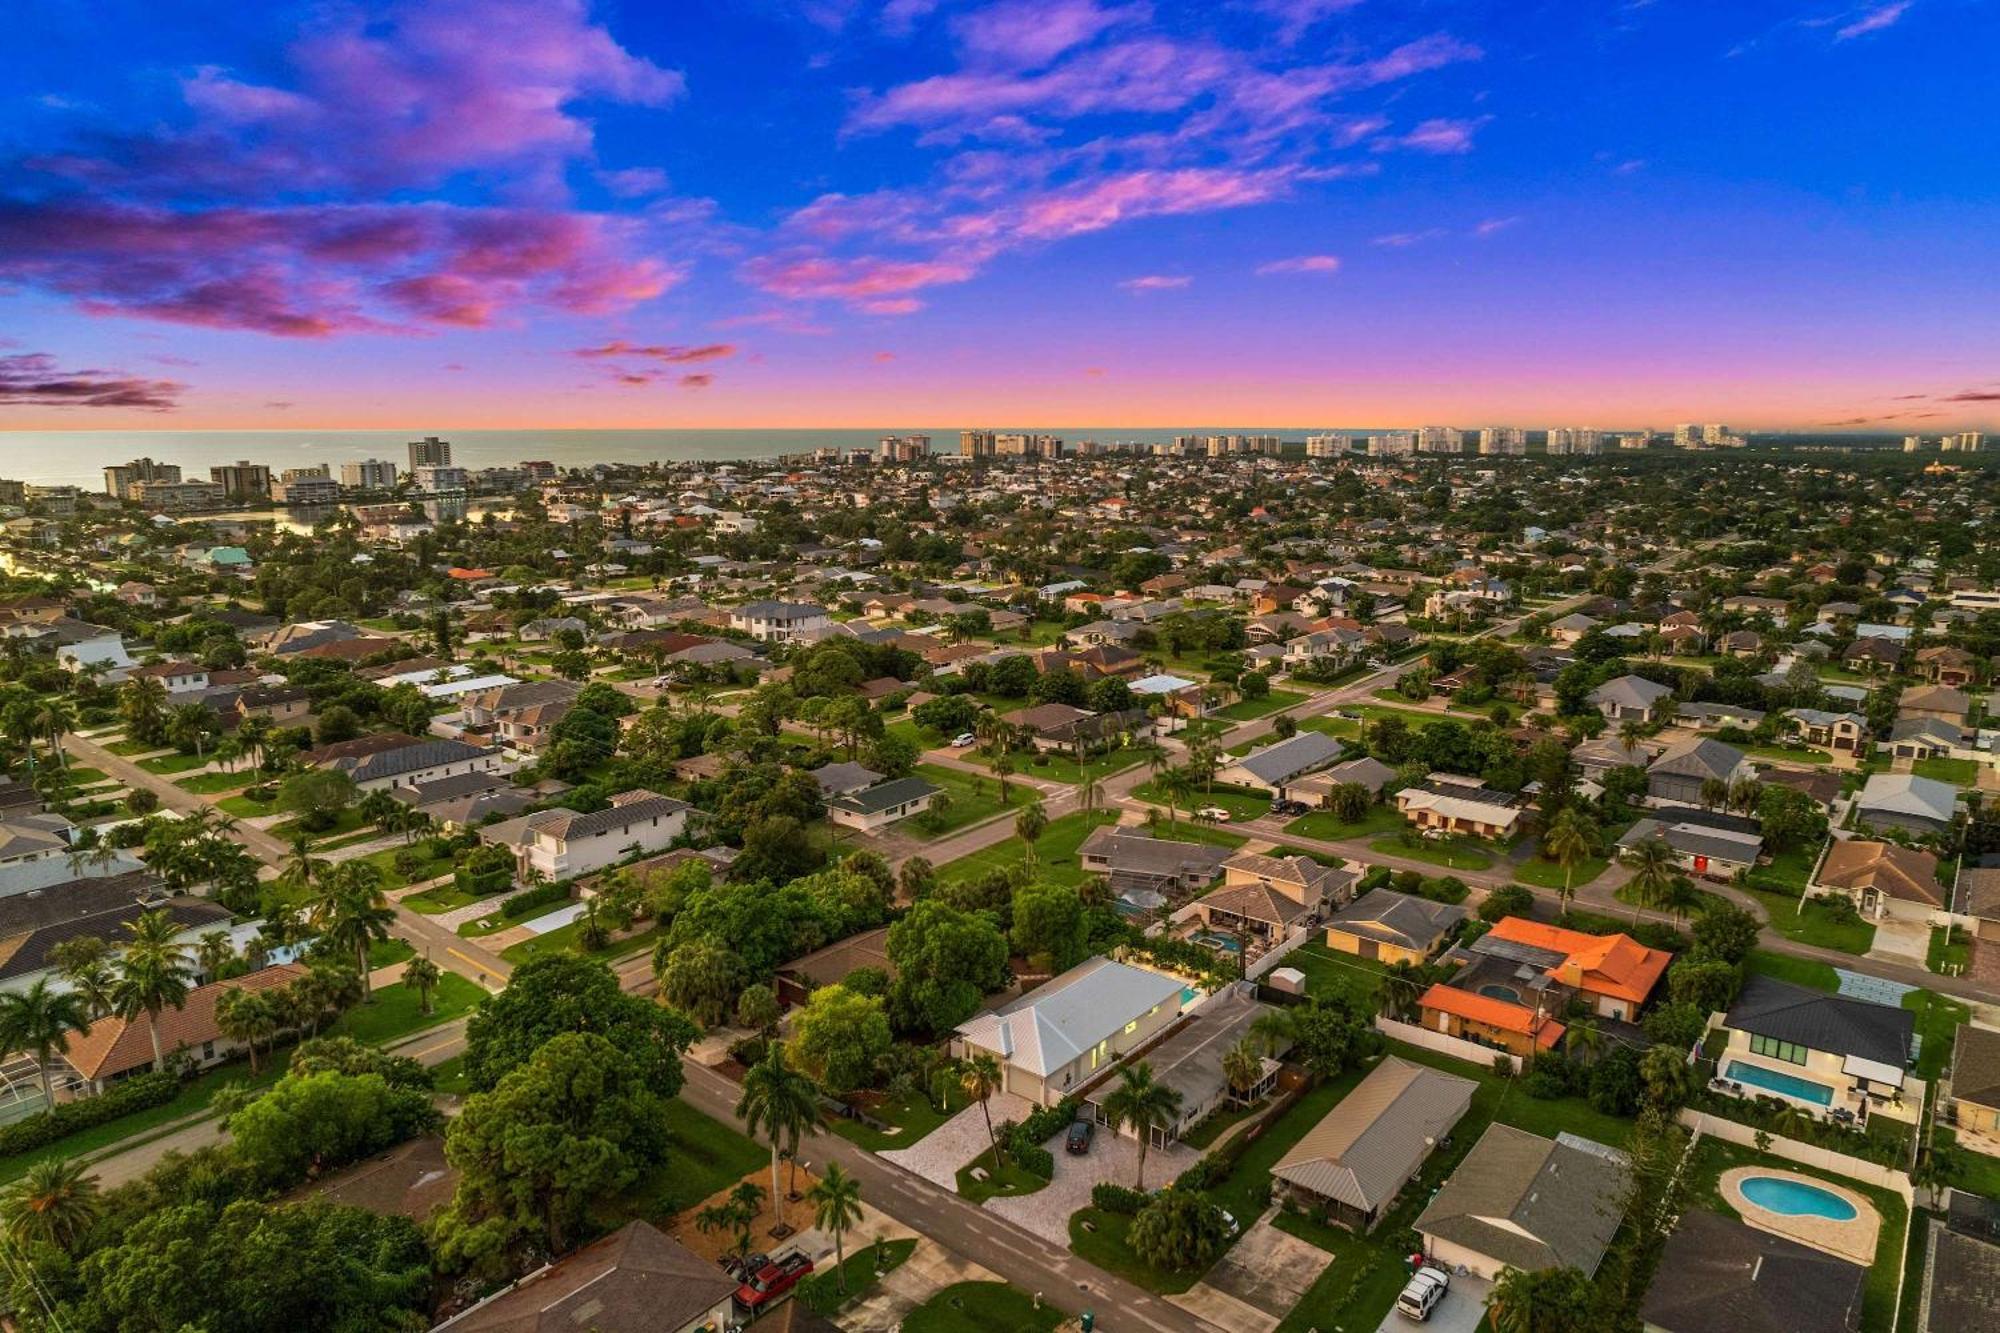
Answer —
1179 790
248 1016
1275 1029
1402 984
1028 826
302 869
351 912
981 1078
1714 793
53 1203
143 702
1653 868
212 952
1667 1075
422 976
1143 1104
1243 1067
52 715
784 1105
1568 842
39 1020
153 975
254 735
1584 1037
1003 768
189 725
1088 792
836 1208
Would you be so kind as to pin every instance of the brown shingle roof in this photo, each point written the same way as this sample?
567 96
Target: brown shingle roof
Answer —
112 1046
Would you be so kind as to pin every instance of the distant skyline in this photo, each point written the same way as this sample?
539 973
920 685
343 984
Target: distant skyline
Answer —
550 214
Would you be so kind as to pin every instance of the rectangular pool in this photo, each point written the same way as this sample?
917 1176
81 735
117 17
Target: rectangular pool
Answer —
1785 1085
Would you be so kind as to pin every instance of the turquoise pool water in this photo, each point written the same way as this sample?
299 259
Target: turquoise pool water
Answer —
1227 943
1795 1198
1770 1080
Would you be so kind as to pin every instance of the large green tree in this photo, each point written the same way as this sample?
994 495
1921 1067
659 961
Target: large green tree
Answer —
838 1035
310 1123
946 960
560 993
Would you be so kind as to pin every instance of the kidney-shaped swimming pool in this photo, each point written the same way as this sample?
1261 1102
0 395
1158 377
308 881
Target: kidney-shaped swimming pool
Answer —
1795 1198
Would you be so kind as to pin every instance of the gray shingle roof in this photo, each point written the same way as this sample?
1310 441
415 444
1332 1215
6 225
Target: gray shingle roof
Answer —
1719 1276
1819 1021
884 795
1701 758
1531 1202
1398 918
1280 763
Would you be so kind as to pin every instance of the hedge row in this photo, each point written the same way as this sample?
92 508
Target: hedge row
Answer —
1112 1197
137 1093
532 900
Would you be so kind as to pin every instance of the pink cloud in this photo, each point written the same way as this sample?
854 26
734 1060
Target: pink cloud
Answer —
1156 282
1492 226
1439 136
1400 239
696 381
1027 34
875 285
671 355
1875 20
32 379
1296 17
1302 264
883 358
1098 204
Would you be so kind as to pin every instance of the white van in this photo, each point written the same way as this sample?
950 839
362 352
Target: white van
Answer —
1421 1295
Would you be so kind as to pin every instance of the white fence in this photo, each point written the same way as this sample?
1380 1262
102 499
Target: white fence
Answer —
1443 1043
1806 1154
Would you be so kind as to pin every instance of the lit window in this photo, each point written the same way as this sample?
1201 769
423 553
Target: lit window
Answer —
1132 1027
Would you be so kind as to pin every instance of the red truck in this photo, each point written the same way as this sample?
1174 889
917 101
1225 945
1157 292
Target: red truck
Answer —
773 1281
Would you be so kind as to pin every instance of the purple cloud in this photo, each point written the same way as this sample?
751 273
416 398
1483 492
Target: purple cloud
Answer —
1302 264
1874 20
32 379
1438 136
1156 282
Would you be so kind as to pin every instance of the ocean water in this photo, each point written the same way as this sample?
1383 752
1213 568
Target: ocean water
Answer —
79 457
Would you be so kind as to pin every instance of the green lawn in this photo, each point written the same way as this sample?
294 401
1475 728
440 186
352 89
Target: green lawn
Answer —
972 799
1981 1174
1249 710
1450 853
912 1117
1191 830
704 1156
1330 972
1063 767
1807 972
382 953
1332 726
131 749
1241 804
1878 1293
1548 875
214 784
1329 827
1055 851
1006 1181
244 808
1778 886
1938 1022
1950 949
385 861
1958 772
1798 754
981 1307
443 898
194 1096
395 1012
169 764
829 1288
348 821
563 940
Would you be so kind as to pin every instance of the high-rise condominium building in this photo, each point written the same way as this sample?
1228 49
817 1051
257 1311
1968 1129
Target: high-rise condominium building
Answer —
904 448
430 452
1017 445
1394 444
306 486
976 443
1439 440
1965 442
1575 440
1325 446
1503 440
435 477
242 478
120 478
370 474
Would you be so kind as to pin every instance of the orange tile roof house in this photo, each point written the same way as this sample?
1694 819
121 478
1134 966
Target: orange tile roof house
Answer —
112 1048
1514 980
1611 967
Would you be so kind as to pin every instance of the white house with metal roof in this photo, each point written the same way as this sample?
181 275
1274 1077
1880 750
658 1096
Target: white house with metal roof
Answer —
1064 1035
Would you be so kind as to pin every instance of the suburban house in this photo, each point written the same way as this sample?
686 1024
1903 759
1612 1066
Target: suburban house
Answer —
1367 771
563 844
1351 1166
1274 767
1846 733
1267 897
1946 703
113 1048
798 979
1906 803
464 801
1068 1032
1945 665
1389 927
1598 756
1699 848
1973 1097
1189 1060
1833 1055
1519 1200
1882 878
391 759
1146 872
521 715
33 924
1717 1275
1633 699
1678 775
1961 1270
842 779
877 807
1916 738
1052 726
174 677
636 1279
1451 803
781 622
1513 982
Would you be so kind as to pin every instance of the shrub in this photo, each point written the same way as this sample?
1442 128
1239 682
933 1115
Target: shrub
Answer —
1112 1197
1508 900
531 900
133 1094
1207 1173
1178 1231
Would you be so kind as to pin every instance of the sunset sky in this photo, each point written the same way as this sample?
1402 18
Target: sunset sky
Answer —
495 213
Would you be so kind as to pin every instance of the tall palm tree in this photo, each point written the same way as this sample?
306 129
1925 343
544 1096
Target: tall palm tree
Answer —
154 974
249 1016
422 976
213 952
783 1104
53 1203
351 911
1568 842
981 1078
1583 1038
1402 984
189 725
143 703
1028 826
836 1208
39 1020
302 869
1275 1029
1143 1104
54 714
1089 791
1653 868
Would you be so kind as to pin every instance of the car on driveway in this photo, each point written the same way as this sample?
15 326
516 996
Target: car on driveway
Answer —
1421 1294
1290 808
772 1281
1213 813
963 739
1077 1143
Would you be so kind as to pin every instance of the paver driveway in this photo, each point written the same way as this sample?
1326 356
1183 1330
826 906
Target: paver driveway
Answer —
1112 1157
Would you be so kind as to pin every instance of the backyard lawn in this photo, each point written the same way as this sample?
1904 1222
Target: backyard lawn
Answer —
395 1011
1330 972
1451 853
1055 851
1329 827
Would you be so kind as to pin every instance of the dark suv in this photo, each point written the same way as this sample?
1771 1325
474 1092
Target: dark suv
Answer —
1078 1142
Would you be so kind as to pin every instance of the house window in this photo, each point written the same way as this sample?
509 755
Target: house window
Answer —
1788 1051
1131 1027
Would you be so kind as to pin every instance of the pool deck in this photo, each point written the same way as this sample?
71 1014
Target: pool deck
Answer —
1853 1240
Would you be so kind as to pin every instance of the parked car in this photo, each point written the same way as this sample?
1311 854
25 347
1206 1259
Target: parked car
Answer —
773 1281
1422 1293
1078 1141
1290 808
963 739
1213 813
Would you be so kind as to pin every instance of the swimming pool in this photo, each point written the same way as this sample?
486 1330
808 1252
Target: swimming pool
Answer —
1495 991
1227 943
1795 1198
1771 1080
